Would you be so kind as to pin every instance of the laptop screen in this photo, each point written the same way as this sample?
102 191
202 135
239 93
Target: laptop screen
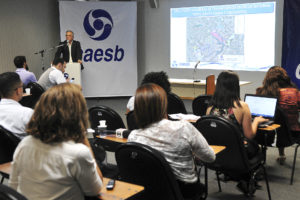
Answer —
261 106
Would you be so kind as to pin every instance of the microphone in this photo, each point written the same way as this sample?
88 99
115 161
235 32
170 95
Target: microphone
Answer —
60 45
66 75
196 65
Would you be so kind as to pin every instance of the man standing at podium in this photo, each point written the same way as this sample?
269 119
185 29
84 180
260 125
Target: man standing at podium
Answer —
71 50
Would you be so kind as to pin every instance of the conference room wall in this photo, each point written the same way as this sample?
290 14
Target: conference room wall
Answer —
26 27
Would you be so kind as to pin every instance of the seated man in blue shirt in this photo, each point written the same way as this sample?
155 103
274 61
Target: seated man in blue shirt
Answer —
22 67
13 116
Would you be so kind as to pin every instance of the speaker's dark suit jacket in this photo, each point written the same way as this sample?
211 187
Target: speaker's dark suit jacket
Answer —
76 51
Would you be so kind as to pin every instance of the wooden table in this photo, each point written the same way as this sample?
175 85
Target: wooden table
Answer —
118 141
188 89
114 139
217 149
5 171
272 127
111 142
5 168
122 190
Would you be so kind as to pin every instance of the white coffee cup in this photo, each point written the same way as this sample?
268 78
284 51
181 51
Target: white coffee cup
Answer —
102 123
27 91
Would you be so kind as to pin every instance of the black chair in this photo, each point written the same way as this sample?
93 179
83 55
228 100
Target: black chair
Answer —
233 161
175 104
113 119
98 150
297 140
131 123
200 104
8 144
284 134
7 193
108 170
286 137
143 165
113 122
36 91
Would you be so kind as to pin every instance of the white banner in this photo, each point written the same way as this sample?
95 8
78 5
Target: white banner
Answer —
107 33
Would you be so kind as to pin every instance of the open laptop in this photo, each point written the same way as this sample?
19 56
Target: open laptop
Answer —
262 106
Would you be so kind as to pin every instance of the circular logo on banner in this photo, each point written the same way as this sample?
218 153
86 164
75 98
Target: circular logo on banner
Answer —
298 72
98 24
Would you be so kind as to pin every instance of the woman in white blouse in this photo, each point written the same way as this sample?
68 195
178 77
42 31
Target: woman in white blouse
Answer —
178 141
56 161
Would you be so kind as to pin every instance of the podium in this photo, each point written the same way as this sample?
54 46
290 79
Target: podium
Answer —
74 71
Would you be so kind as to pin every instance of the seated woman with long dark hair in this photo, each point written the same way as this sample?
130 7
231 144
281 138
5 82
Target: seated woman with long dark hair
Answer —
178 141
226 103
277 83
56 161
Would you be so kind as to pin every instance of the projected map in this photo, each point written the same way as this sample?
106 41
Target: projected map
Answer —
213 40
233 36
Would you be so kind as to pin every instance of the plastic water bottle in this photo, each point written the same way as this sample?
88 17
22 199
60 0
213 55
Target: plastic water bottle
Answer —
101 129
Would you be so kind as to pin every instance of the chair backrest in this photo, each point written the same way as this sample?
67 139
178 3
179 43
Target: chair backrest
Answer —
175 104
143 165
36 91
220 131
113 119
210 85
131 123
8 193
200 104
8 144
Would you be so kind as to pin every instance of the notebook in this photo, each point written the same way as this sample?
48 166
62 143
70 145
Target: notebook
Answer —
262 106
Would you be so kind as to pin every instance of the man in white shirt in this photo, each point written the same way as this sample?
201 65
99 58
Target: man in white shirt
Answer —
13 116
53 75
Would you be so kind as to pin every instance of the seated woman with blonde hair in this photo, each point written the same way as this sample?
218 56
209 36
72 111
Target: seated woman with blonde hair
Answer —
277 83
56 161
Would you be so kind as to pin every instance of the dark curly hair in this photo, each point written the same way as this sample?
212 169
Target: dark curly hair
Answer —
275 79
159 78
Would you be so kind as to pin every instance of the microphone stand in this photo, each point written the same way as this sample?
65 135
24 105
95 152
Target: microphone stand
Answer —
43 51
194 80
196 65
